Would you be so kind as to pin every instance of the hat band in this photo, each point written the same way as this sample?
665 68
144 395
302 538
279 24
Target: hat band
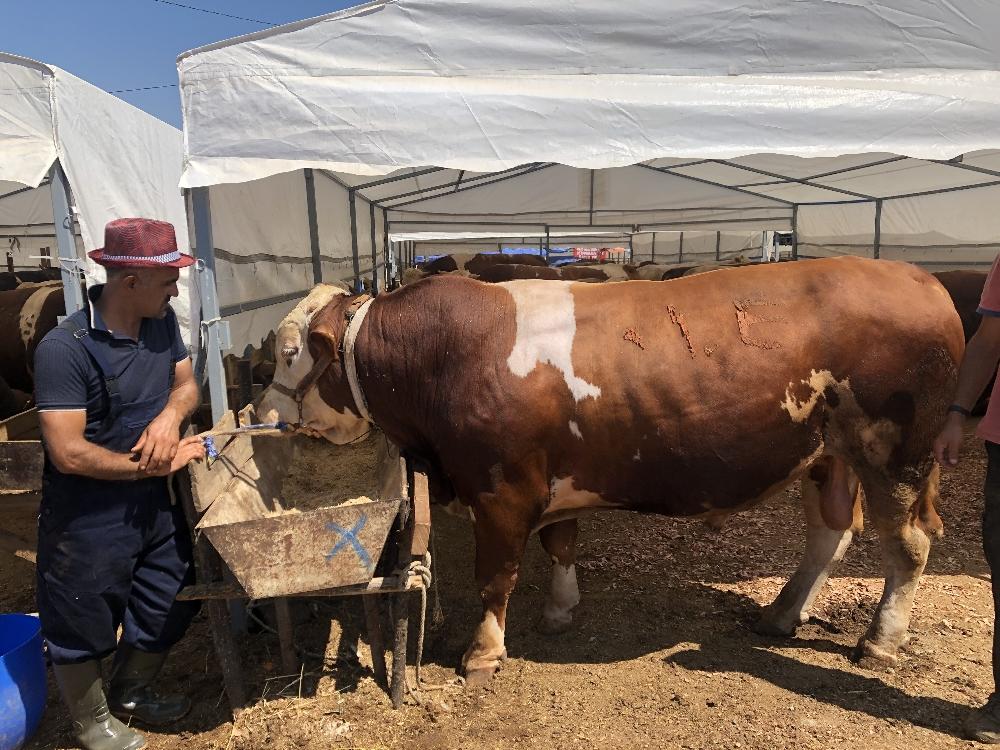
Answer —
165 258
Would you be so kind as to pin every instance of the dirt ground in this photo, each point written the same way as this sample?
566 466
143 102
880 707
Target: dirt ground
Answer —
660 653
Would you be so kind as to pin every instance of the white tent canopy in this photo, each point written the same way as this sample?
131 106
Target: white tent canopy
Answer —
575 116
117 160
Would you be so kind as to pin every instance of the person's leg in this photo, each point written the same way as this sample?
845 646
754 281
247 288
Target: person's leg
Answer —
154 620
85 559
984 724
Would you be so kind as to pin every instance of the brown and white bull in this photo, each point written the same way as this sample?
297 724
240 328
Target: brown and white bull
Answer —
540 401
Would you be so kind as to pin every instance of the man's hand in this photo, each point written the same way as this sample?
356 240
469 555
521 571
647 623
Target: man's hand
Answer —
189 449
949 442
159 442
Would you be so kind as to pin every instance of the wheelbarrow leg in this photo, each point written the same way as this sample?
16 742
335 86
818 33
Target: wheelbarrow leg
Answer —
373 619
400 612
225 650
283 618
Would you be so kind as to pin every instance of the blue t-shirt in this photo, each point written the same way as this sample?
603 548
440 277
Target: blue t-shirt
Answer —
67 379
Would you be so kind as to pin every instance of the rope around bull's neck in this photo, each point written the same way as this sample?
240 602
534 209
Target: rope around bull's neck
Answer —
351 366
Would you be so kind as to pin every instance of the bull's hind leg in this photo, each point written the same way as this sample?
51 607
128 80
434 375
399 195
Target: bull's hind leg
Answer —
825 547
893 507
559 540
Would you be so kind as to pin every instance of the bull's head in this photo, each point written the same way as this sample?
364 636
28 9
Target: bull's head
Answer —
312 333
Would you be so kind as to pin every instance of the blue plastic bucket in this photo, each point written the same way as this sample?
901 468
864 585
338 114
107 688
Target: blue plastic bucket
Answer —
22 679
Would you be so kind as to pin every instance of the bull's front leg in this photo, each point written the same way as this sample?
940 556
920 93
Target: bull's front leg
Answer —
503 521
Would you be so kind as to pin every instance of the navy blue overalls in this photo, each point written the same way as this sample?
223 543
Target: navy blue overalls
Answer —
111 553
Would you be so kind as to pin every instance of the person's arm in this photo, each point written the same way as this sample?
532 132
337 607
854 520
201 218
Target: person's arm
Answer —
978 365
72 453
159 441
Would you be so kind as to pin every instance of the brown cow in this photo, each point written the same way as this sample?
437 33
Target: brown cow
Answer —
26 315
540 401
583 273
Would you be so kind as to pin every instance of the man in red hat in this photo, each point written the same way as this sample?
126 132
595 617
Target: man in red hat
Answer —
113 385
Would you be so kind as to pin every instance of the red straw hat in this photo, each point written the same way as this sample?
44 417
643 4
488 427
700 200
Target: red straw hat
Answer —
135 243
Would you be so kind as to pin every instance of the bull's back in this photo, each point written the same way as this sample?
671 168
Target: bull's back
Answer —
710 391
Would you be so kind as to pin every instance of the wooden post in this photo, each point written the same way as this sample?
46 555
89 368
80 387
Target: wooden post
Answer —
283 619
373 620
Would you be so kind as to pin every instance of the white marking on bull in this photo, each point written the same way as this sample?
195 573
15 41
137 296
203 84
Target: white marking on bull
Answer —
546 327
819 381
487 647
563 596
295 363
878 438
575 429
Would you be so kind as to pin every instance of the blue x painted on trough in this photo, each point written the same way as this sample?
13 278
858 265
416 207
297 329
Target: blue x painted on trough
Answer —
350 537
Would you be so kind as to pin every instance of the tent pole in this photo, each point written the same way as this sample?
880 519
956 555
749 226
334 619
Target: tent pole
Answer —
313 226
718 245
653 257
211 323
877 247
354 239
390 256
680 249
591 222
63 220
795 232
548 245
371 223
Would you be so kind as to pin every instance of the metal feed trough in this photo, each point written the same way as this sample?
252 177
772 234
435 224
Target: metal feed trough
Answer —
251 544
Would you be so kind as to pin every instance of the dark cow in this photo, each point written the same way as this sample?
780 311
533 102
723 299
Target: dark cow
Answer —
476 263
26 315
12 401
966 289
540 401
40 274
583 273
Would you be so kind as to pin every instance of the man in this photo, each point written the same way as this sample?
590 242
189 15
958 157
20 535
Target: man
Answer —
113 386
979 365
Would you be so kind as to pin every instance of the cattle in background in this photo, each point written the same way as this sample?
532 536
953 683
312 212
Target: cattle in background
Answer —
12 401
26 315
466 264
511 271
966 289
584 273
540 401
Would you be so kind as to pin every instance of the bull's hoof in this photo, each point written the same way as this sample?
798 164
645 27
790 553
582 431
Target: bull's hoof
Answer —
774 625
479 671
479 678
548 625
875 658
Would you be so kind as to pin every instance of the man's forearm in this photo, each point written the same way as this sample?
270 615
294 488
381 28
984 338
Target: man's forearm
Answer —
90 460
978 366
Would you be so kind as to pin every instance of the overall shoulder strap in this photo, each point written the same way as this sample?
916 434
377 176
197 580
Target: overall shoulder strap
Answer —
101 363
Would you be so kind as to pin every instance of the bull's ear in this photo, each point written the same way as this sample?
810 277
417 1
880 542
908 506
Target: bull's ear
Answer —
326 328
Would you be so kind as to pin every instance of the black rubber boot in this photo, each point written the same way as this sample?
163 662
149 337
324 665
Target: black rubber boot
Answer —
983 724
93 725
131 694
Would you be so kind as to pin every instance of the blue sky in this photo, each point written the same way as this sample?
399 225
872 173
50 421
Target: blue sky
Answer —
130 44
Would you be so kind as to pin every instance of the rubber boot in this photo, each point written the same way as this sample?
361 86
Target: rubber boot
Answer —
983 724
93 725
131 693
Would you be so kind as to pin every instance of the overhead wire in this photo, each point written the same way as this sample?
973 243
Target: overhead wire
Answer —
214 12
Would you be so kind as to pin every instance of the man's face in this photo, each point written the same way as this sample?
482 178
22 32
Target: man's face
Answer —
152 290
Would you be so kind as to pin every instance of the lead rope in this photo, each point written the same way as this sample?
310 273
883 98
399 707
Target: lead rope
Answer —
423 569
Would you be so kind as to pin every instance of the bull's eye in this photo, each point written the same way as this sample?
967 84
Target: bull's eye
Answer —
289 353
